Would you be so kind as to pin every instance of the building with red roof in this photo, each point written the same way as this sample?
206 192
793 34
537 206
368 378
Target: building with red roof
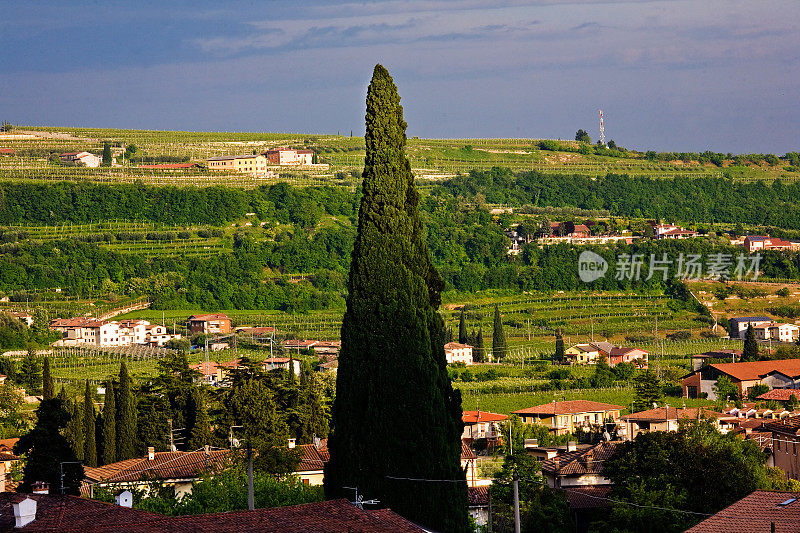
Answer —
761 511
215 323
569 416
779 373
668 419
482 425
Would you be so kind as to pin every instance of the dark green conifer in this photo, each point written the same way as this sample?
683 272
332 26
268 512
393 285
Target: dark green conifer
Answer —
396 415
750 352
462 327
74 431
126 417
106 154
89 438
109 426
499 345
48 387
559 356
200 433
479 352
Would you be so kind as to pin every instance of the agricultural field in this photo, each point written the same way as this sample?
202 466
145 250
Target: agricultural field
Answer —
340 158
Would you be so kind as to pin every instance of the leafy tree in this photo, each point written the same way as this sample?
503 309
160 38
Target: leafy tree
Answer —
499 344
559 355
125 417
724 388
391 345
106 154
89 430
462 327
200 434
750 352
757 390
12 411
647 391
6 127
109 414
583 137
46 449
48 392
603 375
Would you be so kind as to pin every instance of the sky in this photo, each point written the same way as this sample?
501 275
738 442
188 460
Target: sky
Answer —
669 75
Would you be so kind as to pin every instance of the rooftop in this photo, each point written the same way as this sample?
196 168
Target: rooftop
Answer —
754 370
755 513
586 461
213 316
782 395
165 465
475 417
568 407
662 414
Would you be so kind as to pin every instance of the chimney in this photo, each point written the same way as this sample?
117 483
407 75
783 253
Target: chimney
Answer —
557 462
124 499
572 446
291 443
151 453
41 487
24 511
589 459
207 449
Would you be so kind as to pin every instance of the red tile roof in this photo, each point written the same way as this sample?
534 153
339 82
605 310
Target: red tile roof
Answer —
754 514
568 407
165 465
790 425
214 316
313 457
780 394
466 452
478 496
169 165
475 417
577 463
589 497
455 346
662 414
753 370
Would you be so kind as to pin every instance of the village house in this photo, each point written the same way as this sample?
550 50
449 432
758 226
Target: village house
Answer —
782 396
760 511
785 440
671 231
290 156
699 360
589 353
668 419
177 470
777 332
544 453
456 352
22 316
482 425
579 467
82 159
313 458
299 345
246 164
777 374
754 243
737 327
478 504
570 416
7 462
214 373
216 323
272 363
58 513
90 331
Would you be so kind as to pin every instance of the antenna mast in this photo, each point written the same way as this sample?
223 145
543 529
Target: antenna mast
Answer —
602 131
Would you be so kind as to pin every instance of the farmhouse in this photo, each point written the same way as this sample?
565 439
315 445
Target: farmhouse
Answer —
250 164
481 425
667 419
289 156
778 374
699 360
754 243
589 353
785 441
671 231
218 323
777 332
83 331
568 416
456 352
737 327
81 158
579 467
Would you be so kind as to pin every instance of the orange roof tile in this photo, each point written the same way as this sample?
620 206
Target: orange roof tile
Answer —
754 514
671 413
753 370
568 407
475 417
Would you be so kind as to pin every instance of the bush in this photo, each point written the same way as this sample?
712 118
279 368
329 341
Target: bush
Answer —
784 292
466 376
679 335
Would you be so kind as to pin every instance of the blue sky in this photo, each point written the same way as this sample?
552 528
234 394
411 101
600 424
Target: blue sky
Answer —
670 75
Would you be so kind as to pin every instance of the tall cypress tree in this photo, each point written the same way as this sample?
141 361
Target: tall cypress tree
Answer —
479 352
48 387
74 431
89 440
106 154
750 352
396 416
126 417
559 356
109 426
499 345
462 327
200 433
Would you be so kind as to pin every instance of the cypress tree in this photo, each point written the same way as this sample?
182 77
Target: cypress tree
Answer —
559 346
479 353
499 345
750 352
109 426
74 432
200 434
396 414
126 417
106 154
48 387
462 328
89 440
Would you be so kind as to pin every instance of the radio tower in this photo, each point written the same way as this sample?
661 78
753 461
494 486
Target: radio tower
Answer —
602 131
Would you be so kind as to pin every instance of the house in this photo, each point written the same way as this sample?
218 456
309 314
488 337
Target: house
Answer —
272 363
780 373
216 323
58 513
667 419
478 504
481 425
754 243
169 166
544 453
313 458
737 327
7 151
580 467
568 416
173 469
247 164
777 332
27 318
456 352
671 231
589 353
785 440
7 462
290 156
81 159
699 360
299 345
587 504
214 373
783 396
759 512
103 333
327 349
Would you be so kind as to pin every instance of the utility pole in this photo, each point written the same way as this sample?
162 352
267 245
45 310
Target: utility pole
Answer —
171 438
515 478
251 502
